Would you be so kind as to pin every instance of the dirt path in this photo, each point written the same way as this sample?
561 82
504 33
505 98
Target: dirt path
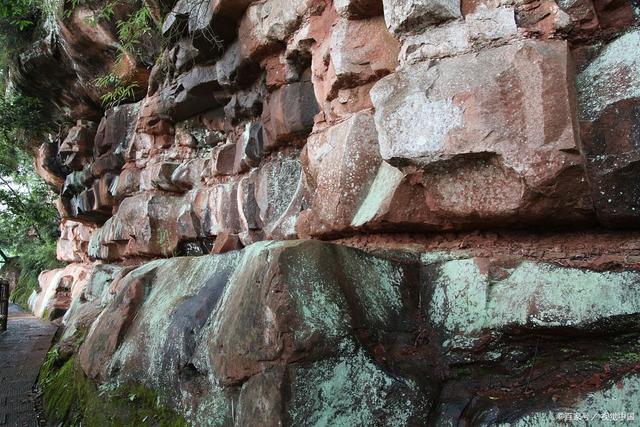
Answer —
22 350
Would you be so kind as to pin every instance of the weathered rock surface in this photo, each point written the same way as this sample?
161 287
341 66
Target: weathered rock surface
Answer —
609 96
416 15
302 331
479 127
58 288
477 150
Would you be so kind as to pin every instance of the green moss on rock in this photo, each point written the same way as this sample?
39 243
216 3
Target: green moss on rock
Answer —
71 398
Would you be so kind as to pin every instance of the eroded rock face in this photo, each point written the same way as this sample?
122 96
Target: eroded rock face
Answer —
329 323
609 96
502 134
58 288
415 15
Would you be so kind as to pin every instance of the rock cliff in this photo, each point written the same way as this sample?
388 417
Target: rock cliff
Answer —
348 212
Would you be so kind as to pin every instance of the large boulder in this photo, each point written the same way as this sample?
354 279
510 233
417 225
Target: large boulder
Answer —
486 153
312 333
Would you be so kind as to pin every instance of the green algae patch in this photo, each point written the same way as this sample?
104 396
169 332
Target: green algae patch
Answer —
466 301
70 398
351 390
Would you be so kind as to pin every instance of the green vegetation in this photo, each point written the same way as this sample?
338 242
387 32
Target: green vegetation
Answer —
28 219
134 33
72 399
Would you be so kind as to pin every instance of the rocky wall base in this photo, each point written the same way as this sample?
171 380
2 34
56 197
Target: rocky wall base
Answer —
314 333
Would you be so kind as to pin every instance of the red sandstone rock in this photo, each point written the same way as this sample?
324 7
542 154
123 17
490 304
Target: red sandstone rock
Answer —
57 289
46 167
73 244
609 107
490 156
361 51
224 159
77 147
340 164
226 243
289 113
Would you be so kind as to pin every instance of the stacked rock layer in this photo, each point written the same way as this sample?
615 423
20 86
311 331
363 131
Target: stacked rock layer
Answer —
474 163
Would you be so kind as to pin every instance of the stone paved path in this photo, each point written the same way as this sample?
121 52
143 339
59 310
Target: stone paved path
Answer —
22 350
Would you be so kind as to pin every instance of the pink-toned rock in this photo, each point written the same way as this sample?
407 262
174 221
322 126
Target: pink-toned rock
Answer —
46 166
107 162
103 198
116 128
145 225
224 159
162 177
289 113
77 147
99 345
340 164
266 25
275 72
128 183
57 289
188 175
226 242
73 244
490 156
361 51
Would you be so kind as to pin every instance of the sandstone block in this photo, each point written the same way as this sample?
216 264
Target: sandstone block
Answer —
48 167
224 159
289 113
73 244
226 243
127 184
188 175
116 128
467 135
249 147
57 288
147 224
284 321
248 209
415 15
279 193
162 178
77 147
609 100
268 24
340 165
361 51
108 162
216 209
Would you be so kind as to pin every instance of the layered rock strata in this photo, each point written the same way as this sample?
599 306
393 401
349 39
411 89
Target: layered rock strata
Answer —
473 162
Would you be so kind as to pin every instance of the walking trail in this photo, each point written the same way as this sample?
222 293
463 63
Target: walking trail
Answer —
22 351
